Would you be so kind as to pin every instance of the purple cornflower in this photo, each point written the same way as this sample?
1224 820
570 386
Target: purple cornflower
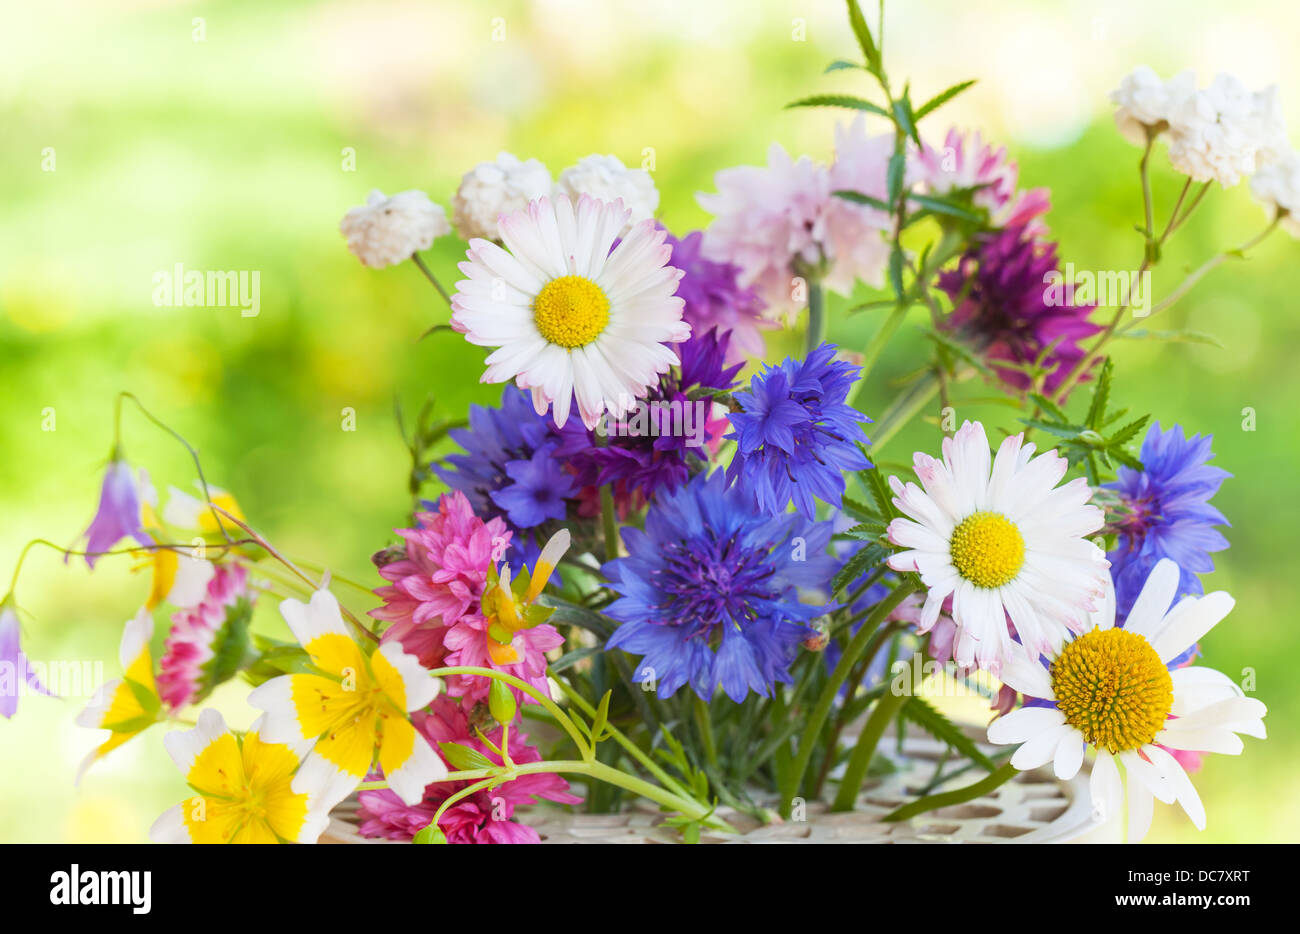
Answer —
15 671
796 434
118 516
709 590
1004 308
666 437
715 300
538 490
1167 514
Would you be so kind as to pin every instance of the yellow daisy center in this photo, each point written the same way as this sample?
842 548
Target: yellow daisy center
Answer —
571 311
1113 688
987 549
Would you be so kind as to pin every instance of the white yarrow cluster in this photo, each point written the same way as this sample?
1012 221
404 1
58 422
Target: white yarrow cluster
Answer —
1217 133
608 179
491 189
388 230
1277 185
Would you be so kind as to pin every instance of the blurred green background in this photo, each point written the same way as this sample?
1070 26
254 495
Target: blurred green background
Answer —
215 135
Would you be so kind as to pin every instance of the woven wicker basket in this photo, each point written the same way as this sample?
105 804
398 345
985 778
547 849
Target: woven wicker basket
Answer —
1034 807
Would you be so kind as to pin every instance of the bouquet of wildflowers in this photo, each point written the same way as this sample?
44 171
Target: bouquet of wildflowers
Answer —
662 570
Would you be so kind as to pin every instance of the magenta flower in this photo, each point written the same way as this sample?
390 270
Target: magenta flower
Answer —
206 642
484 817
15 670
441 578
118 516
716 301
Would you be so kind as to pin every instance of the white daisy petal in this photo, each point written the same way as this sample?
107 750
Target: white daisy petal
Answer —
1141 805
1153 603
1069 755
1040 749
1105 787
1024 724
1188 622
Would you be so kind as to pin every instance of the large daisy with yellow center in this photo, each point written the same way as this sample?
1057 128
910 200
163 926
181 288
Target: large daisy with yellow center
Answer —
352 709
572 319
998 536
244 790
1112 690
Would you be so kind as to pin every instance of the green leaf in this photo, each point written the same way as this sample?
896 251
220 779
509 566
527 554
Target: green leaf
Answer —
903 117
570 614
839 65
862 561
840 100
601 718
463 757
945 206
1182 337
863 34
1048 406
894 176
875 483
569 659
1061 431
1127 433
858 197
941 728
1100 396
940 99
896 269
873 305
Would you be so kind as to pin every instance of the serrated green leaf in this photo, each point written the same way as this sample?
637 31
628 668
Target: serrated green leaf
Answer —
862 561
1100 396
860 511
903 117
941 728
941 98
1128 432
840 100
1048 406
1061 431
894 176
896 269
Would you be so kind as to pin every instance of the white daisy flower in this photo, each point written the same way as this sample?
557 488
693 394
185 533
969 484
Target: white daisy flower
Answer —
385 231
1004 544
608 179
569 317
491 189
1112 690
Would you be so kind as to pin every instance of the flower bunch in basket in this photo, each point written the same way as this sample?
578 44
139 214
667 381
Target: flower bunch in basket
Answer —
660 569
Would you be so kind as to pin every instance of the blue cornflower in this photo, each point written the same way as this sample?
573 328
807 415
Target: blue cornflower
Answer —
538 490
709 590
796 434
1167 514
494 438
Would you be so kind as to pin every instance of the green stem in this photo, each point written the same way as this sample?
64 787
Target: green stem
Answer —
554 709
630 747
868 740
609 522
871 355
415 258
816 317
982 787
817 719
705 724
903 411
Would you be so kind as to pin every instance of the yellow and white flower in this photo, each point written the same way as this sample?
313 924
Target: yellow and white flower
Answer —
1112 691
245 790
570 318
129 705
193 514
353 711
1004 542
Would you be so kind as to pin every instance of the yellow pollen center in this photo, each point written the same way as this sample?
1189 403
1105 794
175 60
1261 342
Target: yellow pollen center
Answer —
1113 688
987 549
571 311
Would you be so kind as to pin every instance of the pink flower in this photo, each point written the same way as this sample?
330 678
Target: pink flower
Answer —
966 162
484 817
442 577
783 221
206 643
